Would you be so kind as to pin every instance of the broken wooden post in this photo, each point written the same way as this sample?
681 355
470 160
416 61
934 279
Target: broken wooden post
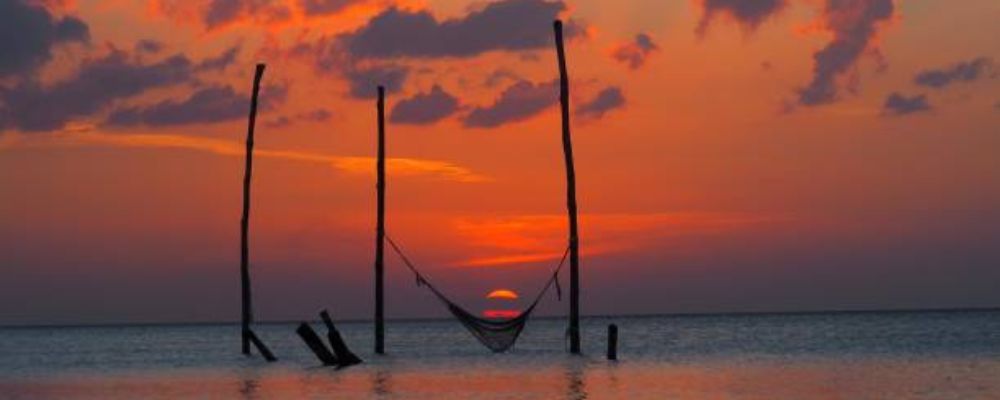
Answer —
380 228
247 304
315 344
344 355
613 342
261 347
574 244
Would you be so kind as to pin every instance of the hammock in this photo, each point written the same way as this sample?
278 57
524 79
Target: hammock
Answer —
498 335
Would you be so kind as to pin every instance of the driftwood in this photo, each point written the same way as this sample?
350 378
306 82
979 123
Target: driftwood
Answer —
574 242
380 229
345 357
315 344
248 335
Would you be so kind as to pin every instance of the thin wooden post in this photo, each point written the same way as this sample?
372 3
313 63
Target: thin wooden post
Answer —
574 242
247 309
380 229
613 342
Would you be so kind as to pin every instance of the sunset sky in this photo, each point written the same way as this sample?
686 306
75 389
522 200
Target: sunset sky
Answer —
732 155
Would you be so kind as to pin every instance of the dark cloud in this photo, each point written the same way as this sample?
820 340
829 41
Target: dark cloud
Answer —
898 104
607 100
425 108
29 33
520 101
634 53
966 71
149 46
748 13
30 106
317 115
502 25
222 12
207 105
854 25
326 7
364 81
220 62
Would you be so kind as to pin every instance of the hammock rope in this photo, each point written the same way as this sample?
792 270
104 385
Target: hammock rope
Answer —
498 335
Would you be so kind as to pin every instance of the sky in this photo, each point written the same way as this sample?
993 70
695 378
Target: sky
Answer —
732 156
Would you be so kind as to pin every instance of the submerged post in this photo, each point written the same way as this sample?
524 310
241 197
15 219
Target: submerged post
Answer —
247 309
380 228
613 342
574 243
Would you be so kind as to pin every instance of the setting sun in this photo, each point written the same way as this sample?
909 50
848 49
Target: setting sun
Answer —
505 294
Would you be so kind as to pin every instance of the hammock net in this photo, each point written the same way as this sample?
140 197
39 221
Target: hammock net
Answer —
498 334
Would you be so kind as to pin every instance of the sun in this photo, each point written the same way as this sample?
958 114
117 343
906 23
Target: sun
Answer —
505 294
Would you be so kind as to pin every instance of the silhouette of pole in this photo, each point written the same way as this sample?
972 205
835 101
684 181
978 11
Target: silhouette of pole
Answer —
380 229
247 311
574 243
248 335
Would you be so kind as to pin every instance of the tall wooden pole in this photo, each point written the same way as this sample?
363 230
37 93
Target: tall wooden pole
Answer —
245 221
574 242
380 229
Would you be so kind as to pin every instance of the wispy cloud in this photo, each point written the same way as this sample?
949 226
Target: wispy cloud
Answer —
527 239
354 165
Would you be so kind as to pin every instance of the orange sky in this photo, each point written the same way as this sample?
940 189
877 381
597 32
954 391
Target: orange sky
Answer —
728 159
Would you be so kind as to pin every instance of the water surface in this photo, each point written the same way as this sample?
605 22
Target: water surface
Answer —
920 355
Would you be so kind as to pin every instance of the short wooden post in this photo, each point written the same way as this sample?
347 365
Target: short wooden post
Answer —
315 344
613 342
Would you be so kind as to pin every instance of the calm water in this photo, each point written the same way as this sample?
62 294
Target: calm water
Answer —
927 355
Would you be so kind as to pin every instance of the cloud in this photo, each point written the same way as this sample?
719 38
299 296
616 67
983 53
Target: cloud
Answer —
748 13
608 99
425 108
29 106
965 71
222 12
518 102
317 115
29 34
525 239
364 81
353 165
149 46
215 14
511 25
854 25
898 104
634 53
220 62
207 105
327 7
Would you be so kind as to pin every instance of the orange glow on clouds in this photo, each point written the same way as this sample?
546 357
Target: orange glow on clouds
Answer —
505 294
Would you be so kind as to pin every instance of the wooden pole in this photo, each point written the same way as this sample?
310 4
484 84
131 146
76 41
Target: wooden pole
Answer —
613 342
380 229
574 243
247 309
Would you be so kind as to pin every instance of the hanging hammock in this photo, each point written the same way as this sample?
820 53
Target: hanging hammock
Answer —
498 335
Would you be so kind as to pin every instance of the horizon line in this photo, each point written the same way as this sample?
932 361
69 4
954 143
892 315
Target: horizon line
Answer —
542 317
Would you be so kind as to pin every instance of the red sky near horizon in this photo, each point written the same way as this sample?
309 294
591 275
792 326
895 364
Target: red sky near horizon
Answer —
731 156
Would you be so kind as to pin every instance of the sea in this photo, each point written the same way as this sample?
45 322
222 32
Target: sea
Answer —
835 355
